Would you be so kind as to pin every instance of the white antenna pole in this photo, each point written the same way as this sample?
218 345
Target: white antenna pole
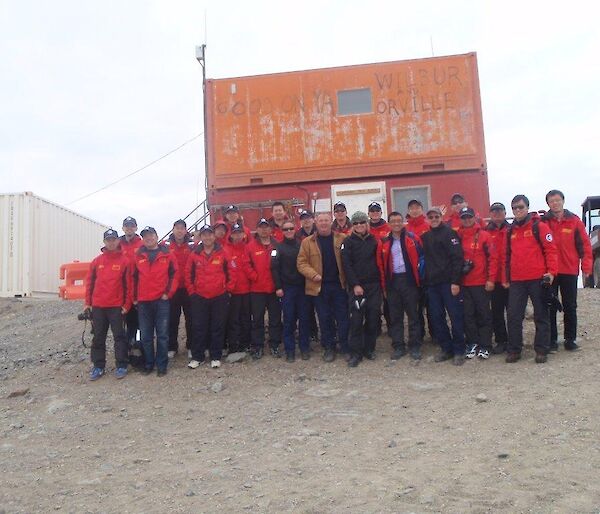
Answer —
431 42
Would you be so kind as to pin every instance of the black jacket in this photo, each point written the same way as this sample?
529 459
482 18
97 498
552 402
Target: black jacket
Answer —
283 264
361 260
443 256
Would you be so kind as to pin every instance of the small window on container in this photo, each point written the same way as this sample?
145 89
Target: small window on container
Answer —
354 101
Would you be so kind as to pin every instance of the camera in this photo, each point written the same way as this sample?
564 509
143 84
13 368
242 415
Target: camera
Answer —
546 281
467 267
85 315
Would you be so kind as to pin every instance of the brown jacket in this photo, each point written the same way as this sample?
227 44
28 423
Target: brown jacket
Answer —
310 262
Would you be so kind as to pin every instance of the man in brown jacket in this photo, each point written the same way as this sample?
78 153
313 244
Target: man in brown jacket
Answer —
320 261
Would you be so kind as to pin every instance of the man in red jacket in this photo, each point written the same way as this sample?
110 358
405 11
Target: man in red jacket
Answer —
341 224
401 252
209 278
180 246
378 227
574 249
238 320
232 217
457 203
415 220
479 274
279 217
531 263
262 291
108 295
155 280
129 243
497 228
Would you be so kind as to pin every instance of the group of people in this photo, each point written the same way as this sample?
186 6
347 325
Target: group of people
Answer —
430 266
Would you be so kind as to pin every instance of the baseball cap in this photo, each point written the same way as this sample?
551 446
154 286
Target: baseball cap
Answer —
339 206
129 221
457 198
232 208
206 228
435 209
467 212
497 206
236 227
306 214
374 206
262 221
145 230
111 234
413 201
180 222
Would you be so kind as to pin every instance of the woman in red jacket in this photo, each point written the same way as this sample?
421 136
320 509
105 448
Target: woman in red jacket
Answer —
209 278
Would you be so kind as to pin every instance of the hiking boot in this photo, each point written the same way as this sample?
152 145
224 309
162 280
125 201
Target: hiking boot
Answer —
554 347
305 356
290 357
369 355
458 360
161 372
193 364
499 349
120 373
257 353
443 356
512 357
275 352
96 373
171 354
146 371
354 361
398 353
329 355
215 364
540 358
483 354
415 354
471 352
571 346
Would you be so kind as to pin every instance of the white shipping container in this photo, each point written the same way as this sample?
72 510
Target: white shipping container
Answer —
36 237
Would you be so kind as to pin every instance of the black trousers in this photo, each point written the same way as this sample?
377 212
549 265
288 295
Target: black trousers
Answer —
209 318
102 318
403 297
423 312
499 301
364 322
478 316
132 323
518 294
259 303
567 286
239 323
180 301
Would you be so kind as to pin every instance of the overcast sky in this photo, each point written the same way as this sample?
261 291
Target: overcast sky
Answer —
91 91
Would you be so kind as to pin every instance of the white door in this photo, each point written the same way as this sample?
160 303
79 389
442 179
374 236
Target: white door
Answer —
358 195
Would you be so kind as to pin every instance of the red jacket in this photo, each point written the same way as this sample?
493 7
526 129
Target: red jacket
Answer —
526 258
417 225
181 252
572 242
478 247
380 230
211 275
152 280
345 230
128 248
498 235
411 247
109 281
240 260
261 279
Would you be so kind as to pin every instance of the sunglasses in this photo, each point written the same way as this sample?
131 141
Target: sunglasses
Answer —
289 229
519 207
359 223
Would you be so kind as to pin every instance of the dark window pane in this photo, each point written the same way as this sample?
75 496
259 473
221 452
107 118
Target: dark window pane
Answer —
354 101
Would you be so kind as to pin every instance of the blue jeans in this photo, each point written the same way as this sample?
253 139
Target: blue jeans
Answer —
441 301
332 304
295 306
153 316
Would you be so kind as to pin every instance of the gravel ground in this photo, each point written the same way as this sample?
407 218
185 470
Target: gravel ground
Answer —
306 437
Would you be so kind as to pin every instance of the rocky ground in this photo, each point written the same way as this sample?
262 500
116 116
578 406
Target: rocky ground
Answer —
305 437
